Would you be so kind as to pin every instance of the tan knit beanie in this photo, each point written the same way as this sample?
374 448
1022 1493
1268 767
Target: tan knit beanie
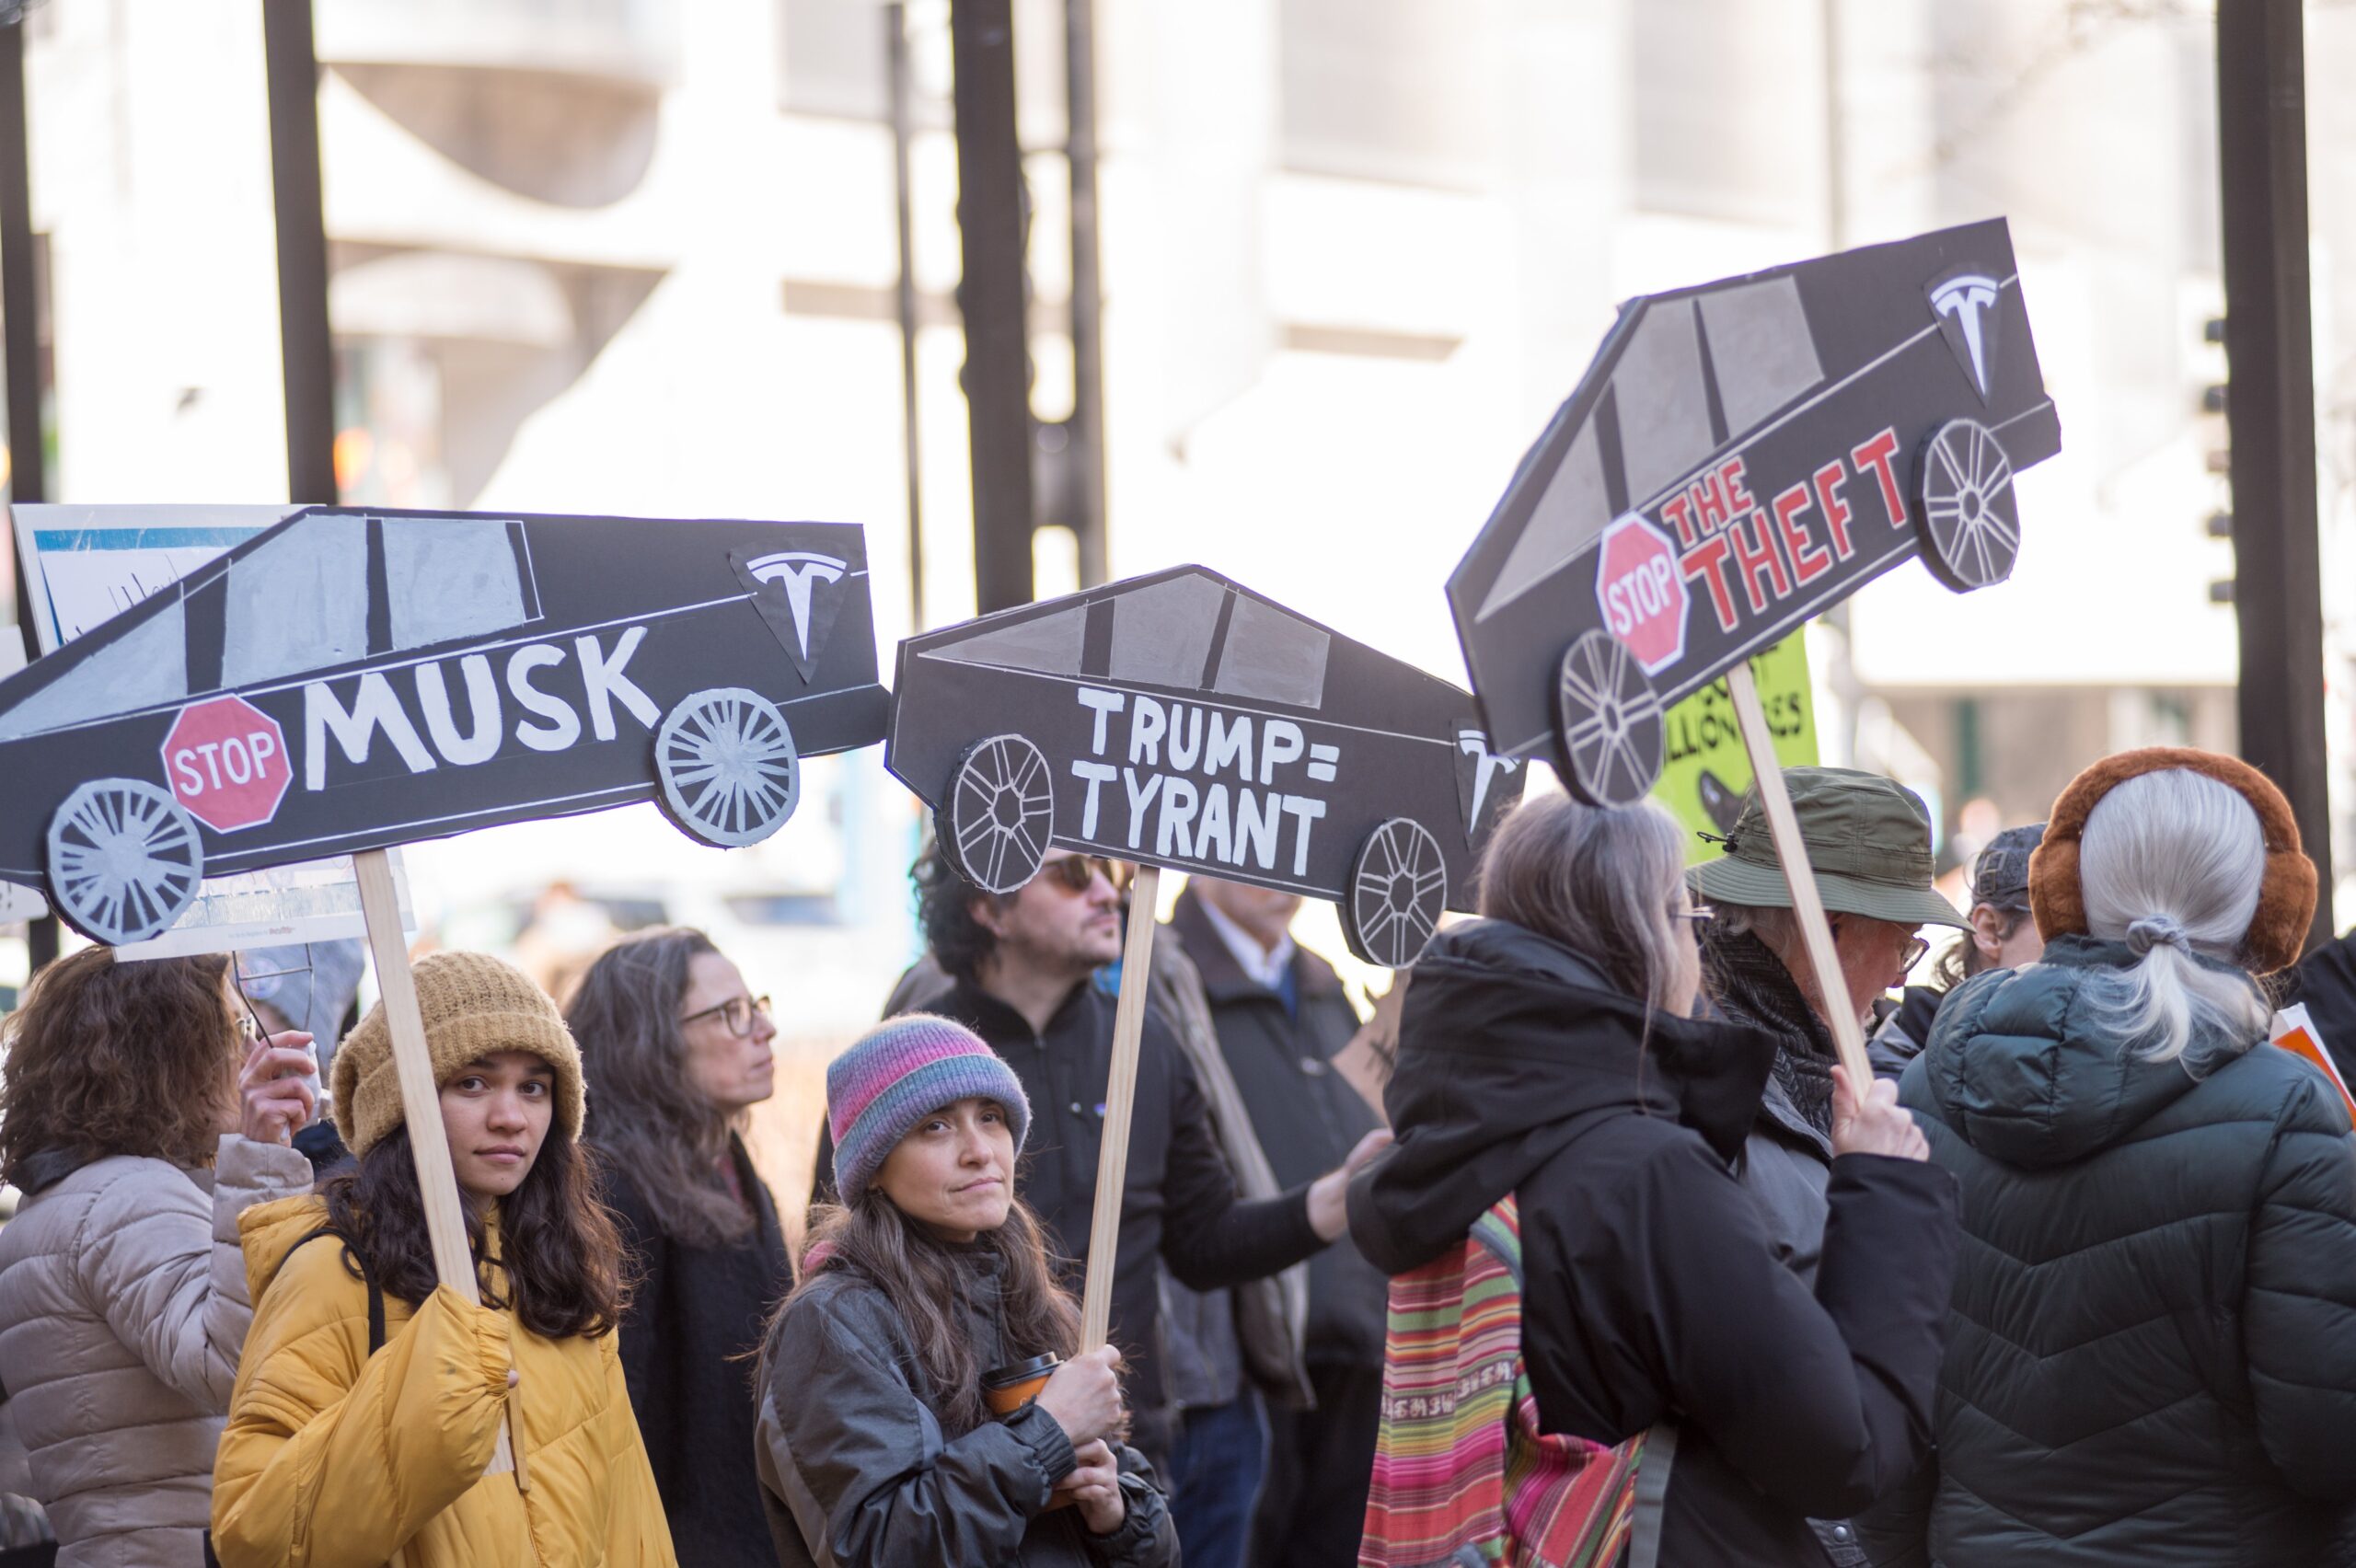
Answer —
473 1005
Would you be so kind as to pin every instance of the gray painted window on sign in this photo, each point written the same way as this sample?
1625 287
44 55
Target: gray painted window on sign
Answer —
1664 410
299 603
1271 656
148 666
450 577
1161 634
1569 517
1046 645
1761 349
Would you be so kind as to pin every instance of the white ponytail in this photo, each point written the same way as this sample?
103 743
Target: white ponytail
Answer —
2171 864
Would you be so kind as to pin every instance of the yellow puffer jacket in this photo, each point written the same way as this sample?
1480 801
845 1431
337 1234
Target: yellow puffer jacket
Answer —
332 1457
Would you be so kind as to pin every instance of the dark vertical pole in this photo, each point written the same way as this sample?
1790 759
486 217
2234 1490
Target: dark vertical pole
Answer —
20 352
895 39
1087 293
992 297
2270 410
291 67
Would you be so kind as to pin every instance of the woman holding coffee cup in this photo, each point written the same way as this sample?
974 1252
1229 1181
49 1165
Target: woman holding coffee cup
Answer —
922 1398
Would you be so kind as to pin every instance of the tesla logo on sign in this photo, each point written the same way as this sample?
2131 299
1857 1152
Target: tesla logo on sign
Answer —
1487 765
799 572
1966 303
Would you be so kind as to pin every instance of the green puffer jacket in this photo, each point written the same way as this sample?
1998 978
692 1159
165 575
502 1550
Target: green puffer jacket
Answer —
2152 1351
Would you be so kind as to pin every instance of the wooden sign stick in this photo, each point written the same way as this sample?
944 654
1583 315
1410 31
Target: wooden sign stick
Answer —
1847 1037
1120 1095
437 1183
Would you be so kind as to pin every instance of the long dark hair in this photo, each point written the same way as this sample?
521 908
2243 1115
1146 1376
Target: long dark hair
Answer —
647 1115
917 1274
106 1057
559 1250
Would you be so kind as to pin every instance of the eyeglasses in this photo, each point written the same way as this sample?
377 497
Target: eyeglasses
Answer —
1916 947
251 1027
736 1012
1078 873
1700 916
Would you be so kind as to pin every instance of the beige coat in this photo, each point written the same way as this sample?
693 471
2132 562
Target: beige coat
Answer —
122 1309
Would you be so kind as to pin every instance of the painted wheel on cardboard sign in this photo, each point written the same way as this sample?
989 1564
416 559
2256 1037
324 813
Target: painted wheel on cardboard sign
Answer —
730 771
1965 516
998 814
124 860
1398 892
1607 722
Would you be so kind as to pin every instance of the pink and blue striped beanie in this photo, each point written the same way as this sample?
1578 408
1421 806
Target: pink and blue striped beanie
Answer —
899 1073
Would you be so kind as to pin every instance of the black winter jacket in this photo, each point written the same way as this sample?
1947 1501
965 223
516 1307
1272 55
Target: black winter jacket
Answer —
1900 1033
693 1312
1652 1291
852 1452
1305 1115
2326 980
1178 1205
2152 1356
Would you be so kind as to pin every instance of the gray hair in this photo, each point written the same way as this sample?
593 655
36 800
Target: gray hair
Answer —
2171 863
1600 881
1775 926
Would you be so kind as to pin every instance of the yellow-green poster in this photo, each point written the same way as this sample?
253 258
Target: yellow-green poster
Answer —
1704 771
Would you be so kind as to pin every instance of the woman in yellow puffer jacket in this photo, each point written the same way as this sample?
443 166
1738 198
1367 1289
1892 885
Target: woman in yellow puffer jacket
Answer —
370 1398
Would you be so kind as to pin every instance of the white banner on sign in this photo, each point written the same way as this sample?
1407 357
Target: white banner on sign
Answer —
317 901
83 566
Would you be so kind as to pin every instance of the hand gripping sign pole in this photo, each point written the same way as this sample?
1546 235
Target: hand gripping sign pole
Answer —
437 1185
1120 1099
1791 852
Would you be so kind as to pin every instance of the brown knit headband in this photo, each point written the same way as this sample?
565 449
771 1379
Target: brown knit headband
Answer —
2286 900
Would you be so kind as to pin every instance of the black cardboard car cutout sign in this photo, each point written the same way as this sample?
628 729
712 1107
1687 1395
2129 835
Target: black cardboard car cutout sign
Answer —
1739 457
1183 720
354 679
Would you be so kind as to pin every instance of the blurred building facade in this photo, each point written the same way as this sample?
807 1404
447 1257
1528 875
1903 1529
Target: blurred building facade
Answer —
638 256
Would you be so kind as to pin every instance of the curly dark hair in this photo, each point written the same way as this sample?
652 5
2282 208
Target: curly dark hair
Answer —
945 913
646 1116
559 1249
105 1058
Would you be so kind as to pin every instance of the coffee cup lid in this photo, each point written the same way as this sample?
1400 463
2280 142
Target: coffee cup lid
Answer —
1020 1372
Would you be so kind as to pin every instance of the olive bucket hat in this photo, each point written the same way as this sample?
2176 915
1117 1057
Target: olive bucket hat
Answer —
1869 841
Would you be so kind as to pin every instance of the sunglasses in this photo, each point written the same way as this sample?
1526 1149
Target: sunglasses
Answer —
1078 873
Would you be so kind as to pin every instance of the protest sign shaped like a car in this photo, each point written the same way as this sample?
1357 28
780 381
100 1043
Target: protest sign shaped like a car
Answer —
84 565
1740 457
352 679
1181 720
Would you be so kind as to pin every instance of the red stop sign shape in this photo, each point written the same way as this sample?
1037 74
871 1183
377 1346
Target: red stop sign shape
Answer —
1642 592
226 762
